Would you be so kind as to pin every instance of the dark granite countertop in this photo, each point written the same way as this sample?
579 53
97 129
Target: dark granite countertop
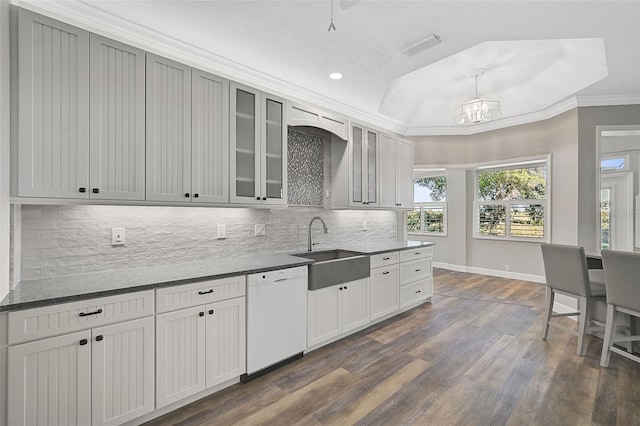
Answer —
49 291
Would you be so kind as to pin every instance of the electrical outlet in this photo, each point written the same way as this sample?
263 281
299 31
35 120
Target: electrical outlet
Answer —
364 225
260 229
117 236
507 268
222 232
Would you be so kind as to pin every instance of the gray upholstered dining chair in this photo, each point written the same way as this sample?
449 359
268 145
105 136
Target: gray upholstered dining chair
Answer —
622 276
566 272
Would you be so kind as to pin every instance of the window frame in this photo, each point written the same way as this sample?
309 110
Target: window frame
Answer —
612 156
430 173
546 203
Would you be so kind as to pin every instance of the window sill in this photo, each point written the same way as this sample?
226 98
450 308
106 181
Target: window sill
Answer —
427 234
514 239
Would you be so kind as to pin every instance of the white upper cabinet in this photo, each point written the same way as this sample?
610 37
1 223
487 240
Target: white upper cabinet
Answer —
53 108
168 130
210 138
117 127
396 173
258 147
364 167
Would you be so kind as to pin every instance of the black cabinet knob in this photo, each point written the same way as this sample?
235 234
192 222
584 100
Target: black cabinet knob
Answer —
264 198
195 195
385 272
201 314
258 198
83 342
96 190
186 195
345 287
340 288
418 291
99 338
210 311
82 189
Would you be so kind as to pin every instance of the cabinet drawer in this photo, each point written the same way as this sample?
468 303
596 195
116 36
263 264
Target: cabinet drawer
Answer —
417 253
415 292
384 259
415 270
187 295
38 323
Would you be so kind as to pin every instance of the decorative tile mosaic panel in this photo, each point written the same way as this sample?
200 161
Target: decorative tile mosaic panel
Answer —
305 169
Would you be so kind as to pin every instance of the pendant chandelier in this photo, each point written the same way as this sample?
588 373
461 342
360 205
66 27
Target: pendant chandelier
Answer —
477 110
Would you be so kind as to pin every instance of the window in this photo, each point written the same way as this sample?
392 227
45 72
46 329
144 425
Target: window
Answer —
429 215
614 163
511 201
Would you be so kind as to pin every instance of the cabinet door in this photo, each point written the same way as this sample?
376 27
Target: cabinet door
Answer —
388 172
180 354
50 381
323 315
355 304
385 291
168 130
273 167
122 383
117 120
210 143
371 169
226 340
404 179
244 136
53 108
357 197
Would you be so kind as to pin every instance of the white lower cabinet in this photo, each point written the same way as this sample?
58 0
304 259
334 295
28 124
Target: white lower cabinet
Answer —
199 347
384 291
335 310
102 376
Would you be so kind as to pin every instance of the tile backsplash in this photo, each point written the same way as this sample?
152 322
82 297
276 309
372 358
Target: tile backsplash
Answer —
68 240
305 169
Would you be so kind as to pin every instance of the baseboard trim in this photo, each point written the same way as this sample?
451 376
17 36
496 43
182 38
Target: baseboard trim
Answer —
491 272
450 266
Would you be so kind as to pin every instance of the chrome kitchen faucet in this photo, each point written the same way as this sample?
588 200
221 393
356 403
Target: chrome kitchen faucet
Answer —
324 228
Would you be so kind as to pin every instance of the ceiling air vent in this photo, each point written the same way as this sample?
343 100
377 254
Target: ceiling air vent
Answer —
421 45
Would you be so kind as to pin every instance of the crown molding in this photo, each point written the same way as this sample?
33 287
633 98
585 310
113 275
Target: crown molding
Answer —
90 18
86 16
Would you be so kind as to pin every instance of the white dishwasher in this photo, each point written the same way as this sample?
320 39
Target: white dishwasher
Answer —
276 319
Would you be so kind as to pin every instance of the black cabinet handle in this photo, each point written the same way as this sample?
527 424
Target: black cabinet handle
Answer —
264 198
417 253
418 291
340 288
386 258
417 270
385 272
345 287
210 311
200 314
83 342
96 190
99 338
205 292
258 198
196 195
186 195
84 314
82 189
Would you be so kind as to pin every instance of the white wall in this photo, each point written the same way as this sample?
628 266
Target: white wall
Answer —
557 136
65 240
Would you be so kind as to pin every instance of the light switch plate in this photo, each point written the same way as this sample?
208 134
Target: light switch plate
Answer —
117 236
221 231
260 229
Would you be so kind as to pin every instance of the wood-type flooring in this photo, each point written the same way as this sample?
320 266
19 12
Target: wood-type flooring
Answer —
472 357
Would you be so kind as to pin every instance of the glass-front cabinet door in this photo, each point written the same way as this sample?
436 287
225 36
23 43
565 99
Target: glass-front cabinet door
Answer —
274 148
258 147
364 167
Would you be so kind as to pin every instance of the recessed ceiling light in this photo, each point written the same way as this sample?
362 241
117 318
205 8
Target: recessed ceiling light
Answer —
335 75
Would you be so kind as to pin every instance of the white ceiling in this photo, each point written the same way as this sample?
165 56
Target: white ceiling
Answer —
288 41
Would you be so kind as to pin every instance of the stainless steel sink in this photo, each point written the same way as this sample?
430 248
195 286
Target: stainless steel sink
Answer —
335 267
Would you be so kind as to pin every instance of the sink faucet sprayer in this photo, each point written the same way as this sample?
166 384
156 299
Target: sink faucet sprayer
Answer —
324 228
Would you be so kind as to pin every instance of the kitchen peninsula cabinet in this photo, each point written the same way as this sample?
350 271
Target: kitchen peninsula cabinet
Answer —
385 284
258 147
336 310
